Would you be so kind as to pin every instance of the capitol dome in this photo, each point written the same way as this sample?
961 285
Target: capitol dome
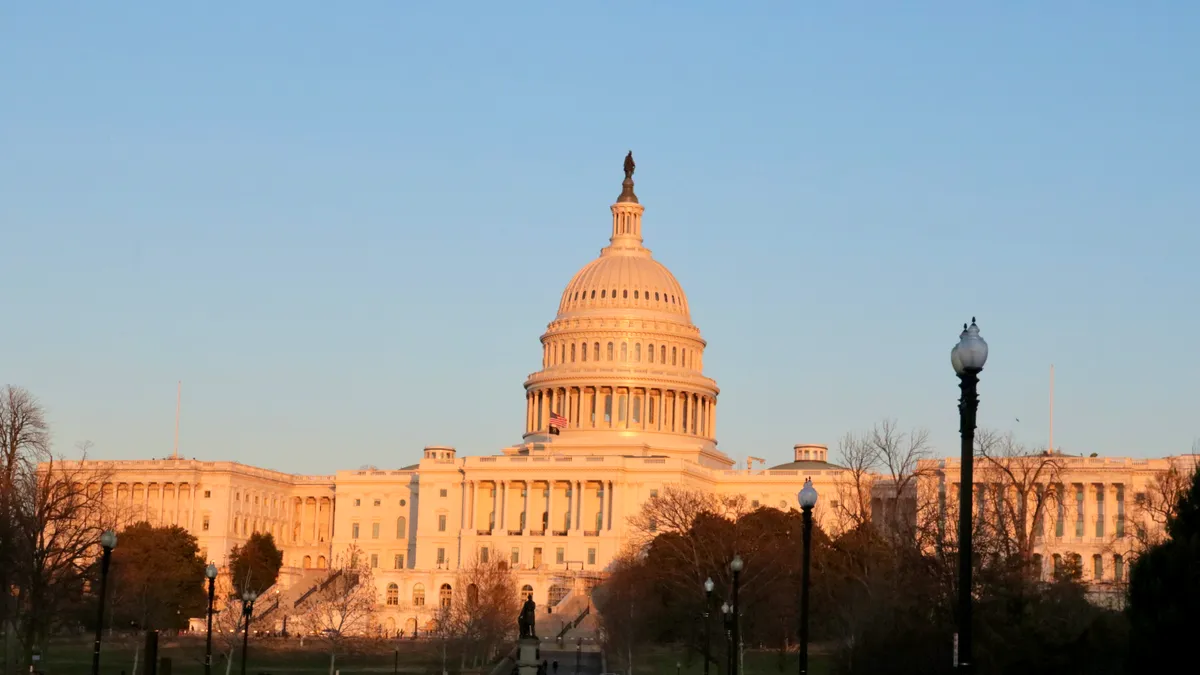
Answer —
622 363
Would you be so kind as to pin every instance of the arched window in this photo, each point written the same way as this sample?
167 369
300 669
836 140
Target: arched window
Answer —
418 595
526 592
1037 566
625 294
393 594
637 409
596 352
635 294
610 351
650 353
307 561
1058 565
401 528
674 355
583 352
1097 567
608 408
322 563
602 293
1118 568
622 405
637 352
662 354
445 595
624 351
572 352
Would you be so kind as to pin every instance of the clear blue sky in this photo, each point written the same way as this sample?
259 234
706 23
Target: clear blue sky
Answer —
345 225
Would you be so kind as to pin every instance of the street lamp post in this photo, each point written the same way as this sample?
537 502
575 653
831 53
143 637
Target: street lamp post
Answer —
736 566
808 499
968 358
248 599
108 541
727 615
708 589
210 573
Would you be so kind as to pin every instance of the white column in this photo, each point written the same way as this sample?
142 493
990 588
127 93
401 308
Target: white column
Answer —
579 505
191 514
462 516
504 505
494 521
528 516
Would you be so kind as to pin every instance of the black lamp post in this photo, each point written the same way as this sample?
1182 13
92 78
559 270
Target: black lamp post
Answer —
708 589
736 566
210 573
727 615
808 499
967 357
248 599
108 541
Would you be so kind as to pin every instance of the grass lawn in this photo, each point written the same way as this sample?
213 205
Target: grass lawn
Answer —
74 657
661 661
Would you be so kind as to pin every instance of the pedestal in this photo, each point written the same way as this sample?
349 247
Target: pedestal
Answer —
529 656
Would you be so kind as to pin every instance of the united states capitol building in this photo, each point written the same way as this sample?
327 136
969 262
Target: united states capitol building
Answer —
622 372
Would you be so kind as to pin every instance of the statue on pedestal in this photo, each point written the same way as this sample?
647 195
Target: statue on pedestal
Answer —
527 618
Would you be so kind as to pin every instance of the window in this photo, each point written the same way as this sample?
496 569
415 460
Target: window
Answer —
204 526
583 350
442 522
401 527
1099 510
572 352
624 351
374 561
418 595
207 494
650 353
398 561
484 555
354 531
596 352
674 355
653 524
610 351
403 503
1097 567
560 555
441 556
358 502
653 494
637 352
1120 511
374 530
516 555
445 596
754 504
1118 568
591 556
393 594
377 502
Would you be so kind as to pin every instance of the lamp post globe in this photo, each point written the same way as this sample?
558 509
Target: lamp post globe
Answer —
725 608
807 495
708 585
736 564
971 352
109 539
210 571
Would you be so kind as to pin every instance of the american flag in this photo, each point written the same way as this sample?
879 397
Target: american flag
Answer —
557 421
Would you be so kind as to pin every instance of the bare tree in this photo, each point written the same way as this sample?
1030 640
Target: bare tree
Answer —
483 612
61 514
24 442
343 605
1160 502
1021 487
854 485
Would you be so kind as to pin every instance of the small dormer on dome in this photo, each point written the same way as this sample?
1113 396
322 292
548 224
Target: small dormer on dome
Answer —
444 452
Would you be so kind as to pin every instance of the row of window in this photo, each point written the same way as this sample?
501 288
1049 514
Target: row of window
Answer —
1075 569
376 528
605 294
379 502
445 594
559 352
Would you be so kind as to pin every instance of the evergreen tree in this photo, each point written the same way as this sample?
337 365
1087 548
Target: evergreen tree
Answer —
255 564
1164 592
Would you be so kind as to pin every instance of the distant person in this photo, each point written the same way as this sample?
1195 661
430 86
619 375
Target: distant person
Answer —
555 666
